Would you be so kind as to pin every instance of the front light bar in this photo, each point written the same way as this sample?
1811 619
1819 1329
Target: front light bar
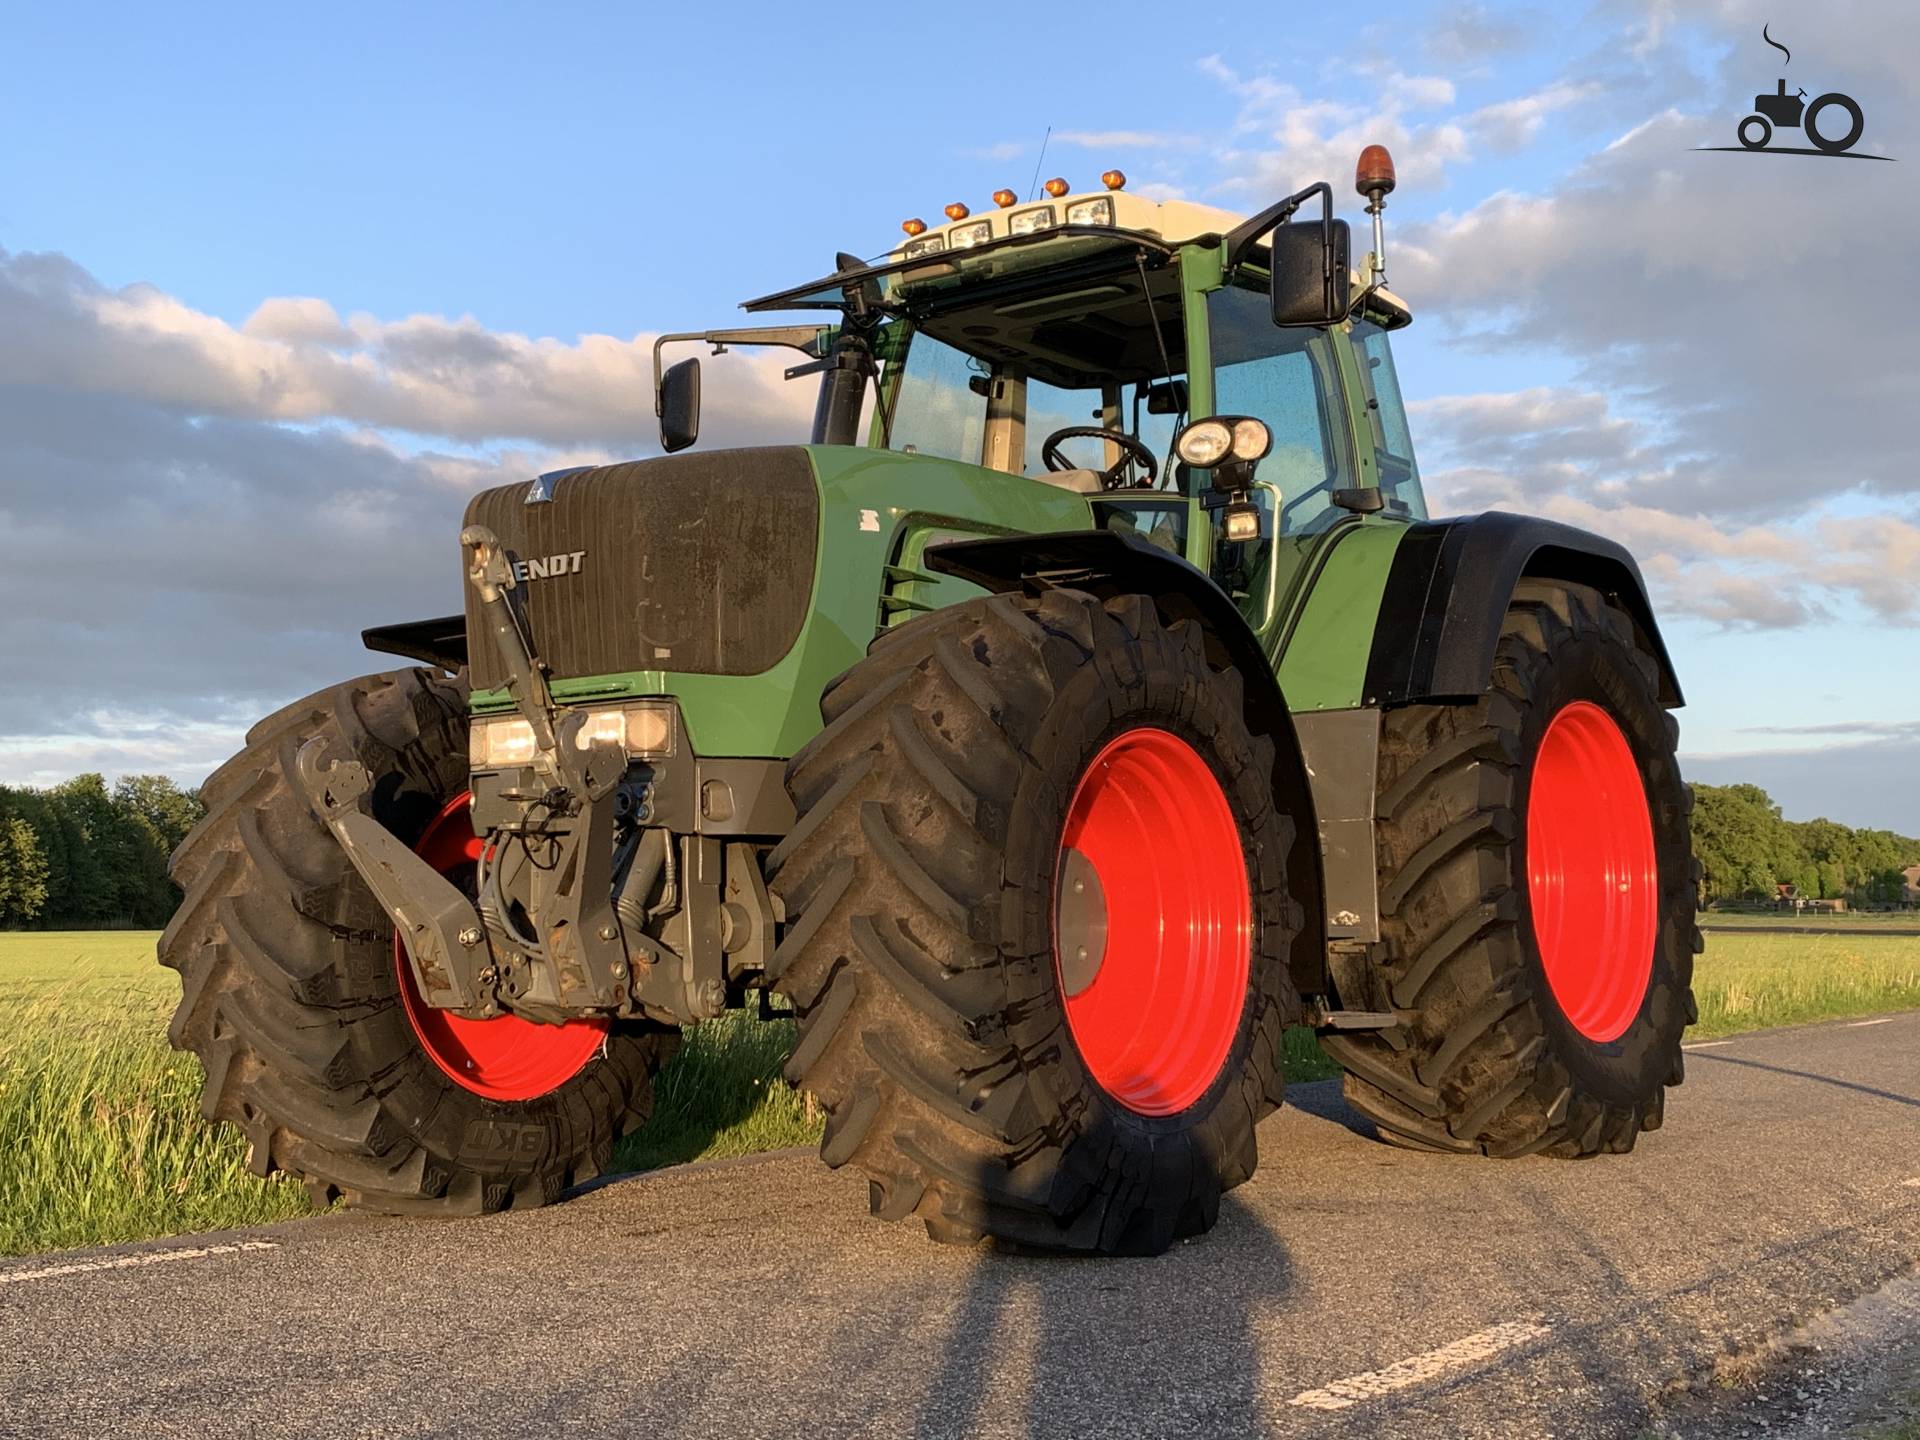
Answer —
644 730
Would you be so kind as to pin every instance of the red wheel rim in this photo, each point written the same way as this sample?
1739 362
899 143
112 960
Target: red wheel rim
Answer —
1591 876
1151 922
506 1058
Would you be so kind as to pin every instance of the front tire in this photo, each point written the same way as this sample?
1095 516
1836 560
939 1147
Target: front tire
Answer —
982 1072
1537 899
293 998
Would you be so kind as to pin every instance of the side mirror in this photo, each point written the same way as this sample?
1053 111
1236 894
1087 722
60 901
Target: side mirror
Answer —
1311 282
1169 397
680 406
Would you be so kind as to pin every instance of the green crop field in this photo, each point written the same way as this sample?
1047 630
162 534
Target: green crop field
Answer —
1866 922
101 1138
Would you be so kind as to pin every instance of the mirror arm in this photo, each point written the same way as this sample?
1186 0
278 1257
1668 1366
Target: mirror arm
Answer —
1244 236
804 338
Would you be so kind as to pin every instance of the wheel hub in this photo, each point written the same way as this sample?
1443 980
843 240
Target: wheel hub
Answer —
1082 933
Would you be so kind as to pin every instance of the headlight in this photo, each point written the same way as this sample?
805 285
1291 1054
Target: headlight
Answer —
644 731
1204 443
932 245
965 237
1026 222
1091 212
1251 439
498 744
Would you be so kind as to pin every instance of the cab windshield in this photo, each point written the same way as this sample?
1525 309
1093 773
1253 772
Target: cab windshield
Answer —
991 374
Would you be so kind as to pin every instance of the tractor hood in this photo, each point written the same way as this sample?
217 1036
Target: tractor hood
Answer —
698 564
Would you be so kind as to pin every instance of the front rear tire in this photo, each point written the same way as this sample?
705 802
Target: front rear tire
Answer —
1008 799
1537 899
296 999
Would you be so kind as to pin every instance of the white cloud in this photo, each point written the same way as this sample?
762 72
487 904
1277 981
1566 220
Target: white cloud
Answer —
1564 454
1284 140
1118 139
1508 125
201 518
1472 35
1421 91
295 360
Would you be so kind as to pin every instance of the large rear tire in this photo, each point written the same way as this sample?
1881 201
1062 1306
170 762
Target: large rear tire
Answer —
293 998
1001 1038
1537 899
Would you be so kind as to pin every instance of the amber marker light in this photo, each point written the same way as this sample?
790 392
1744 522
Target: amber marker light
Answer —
1113 179
1055 187
1374 172
1373 178
1005 199
914 227
957 211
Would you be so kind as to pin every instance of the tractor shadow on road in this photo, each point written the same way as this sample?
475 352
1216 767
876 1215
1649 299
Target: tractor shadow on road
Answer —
1044 1327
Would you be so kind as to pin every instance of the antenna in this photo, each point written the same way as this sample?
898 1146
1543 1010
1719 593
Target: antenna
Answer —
1034 184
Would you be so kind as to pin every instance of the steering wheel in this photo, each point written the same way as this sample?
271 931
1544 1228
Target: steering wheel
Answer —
1112 477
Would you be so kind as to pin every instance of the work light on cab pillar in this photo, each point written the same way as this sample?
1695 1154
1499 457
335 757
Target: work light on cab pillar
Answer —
1373 178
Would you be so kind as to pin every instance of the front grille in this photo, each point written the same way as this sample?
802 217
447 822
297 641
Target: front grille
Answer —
701 564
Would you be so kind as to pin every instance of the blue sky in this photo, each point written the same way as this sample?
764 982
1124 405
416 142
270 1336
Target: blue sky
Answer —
487 185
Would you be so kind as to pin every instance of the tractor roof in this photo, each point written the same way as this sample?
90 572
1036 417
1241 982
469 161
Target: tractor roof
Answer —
1172 222
1032 237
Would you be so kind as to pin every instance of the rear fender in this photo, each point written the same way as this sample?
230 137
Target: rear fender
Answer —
441 642
1447 596
1107 563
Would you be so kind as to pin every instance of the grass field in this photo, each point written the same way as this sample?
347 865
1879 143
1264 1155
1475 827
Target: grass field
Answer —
1866 922
101 1138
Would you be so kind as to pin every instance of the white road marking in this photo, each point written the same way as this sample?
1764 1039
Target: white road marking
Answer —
1461 1353
1862 1024
132 1262
1705 1044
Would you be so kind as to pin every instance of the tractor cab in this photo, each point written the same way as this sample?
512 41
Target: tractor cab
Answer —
1074 340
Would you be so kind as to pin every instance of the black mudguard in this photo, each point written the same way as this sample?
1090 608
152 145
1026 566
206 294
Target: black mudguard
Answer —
1107 563
1447 596
441 642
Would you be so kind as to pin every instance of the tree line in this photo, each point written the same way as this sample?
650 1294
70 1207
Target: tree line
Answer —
83 856
1747 850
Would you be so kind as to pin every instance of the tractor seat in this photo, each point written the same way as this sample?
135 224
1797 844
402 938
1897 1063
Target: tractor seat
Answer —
1081 482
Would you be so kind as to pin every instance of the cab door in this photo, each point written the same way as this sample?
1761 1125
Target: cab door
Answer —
1290 379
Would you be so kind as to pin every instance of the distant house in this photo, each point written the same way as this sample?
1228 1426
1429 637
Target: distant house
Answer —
1912 876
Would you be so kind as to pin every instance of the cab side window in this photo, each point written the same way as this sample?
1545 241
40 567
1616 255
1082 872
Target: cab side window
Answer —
1399 476
1287 378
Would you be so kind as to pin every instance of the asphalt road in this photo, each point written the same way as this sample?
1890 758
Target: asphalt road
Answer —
1350 1288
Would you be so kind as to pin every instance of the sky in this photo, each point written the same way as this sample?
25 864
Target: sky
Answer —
279 290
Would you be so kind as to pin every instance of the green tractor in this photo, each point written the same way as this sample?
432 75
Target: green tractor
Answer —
1091 699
